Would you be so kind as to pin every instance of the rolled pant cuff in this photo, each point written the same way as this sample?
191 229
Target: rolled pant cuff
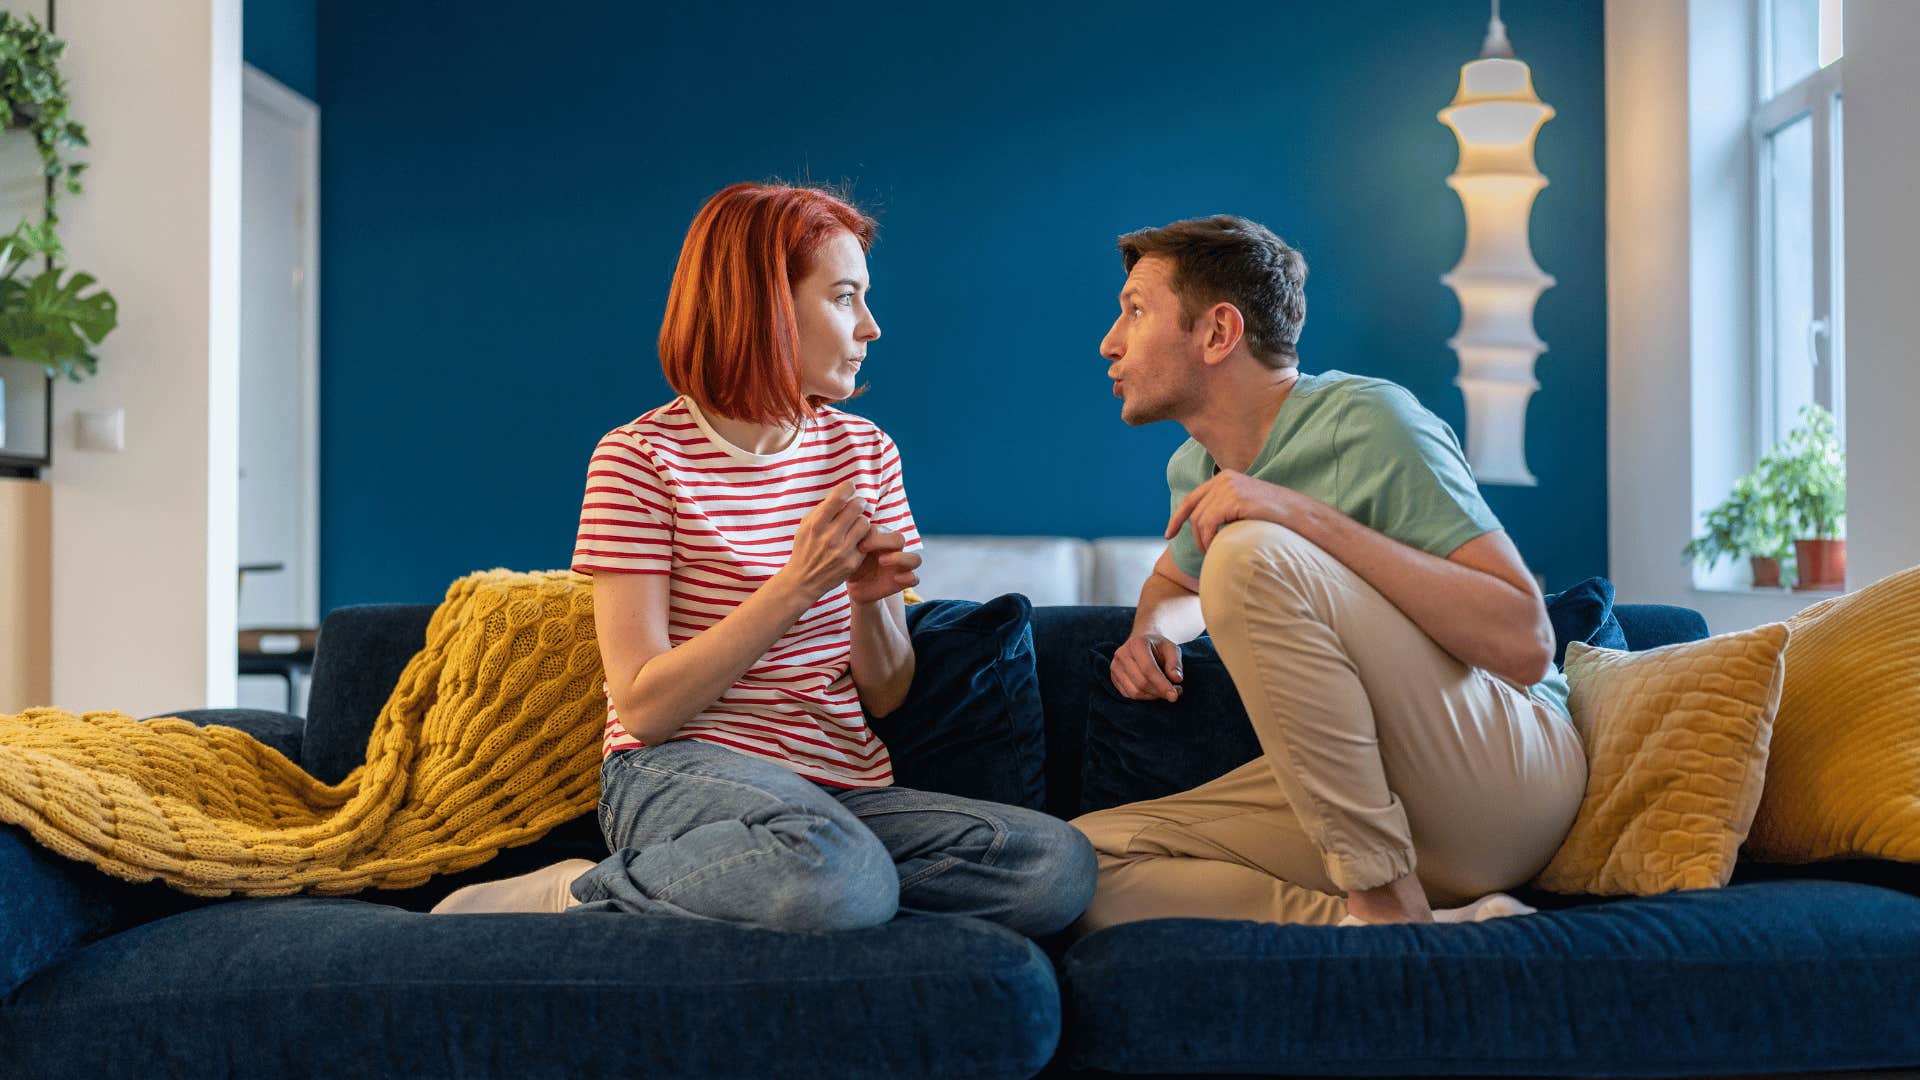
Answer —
1353 873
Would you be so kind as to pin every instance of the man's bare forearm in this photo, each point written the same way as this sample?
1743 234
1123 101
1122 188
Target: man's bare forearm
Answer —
1471 614
1169 609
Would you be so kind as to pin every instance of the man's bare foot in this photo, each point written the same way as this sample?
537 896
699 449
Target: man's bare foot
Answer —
1398 901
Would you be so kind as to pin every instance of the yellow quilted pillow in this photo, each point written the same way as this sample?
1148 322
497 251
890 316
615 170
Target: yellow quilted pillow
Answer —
1844 779
1676 743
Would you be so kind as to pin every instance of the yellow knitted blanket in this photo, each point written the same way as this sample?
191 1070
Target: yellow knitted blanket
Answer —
490 739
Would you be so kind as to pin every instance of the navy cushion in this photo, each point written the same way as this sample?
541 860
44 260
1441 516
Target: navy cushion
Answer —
1061 637
301 986
1146 749
49 906
971 724
1584 613
1755 978
1649 626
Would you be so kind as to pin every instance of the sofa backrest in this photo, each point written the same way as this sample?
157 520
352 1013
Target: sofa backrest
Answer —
356 664
363 650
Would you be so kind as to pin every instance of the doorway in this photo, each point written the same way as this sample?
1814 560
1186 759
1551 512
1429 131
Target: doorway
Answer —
279 492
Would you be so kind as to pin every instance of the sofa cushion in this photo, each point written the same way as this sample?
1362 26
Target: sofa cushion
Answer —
49 906
1584 613
1649 626
1061 638
1761 978
1676 743
1121 565
1850 709
971 724
298 986
1045 569
1146 749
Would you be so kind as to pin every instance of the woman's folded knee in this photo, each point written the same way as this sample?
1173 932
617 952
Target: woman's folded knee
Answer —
833 895
1061 871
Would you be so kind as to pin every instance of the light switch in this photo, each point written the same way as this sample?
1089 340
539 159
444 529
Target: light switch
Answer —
102 430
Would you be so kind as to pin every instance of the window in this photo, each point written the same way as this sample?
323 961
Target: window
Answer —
1796 133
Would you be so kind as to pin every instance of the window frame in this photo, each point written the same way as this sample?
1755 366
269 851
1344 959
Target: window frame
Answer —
1818 98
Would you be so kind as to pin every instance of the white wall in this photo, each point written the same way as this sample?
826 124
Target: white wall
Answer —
1881 145
144 540
1677 413
1649 402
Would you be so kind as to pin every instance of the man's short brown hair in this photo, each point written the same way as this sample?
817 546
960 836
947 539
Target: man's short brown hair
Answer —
1241 262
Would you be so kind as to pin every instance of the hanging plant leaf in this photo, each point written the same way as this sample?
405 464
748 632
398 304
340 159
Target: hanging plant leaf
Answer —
33 94
51 323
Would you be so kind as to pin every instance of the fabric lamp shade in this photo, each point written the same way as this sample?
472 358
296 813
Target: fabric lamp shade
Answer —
1496 116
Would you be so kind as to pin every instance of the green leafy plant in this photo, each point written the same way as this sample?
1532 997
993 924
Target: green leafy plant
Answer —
33 96
1797 491
1749 522
1807 474
50 318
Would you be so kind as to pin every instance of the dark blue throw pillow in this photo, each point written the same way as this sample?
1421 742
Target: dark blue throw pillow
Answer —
1145 749
1584 613
49 906
972 724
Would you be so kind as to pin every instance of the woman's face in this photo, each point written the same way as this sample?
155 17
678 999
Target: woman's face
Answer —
830 308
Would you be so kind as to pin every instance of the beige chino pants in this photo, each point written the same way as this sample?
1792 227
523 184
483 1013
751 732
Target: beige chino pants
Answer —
1382 755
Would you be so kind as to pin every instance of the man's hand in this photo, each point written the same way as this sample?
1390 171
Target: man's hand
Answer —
1228 497
886 568
1146 667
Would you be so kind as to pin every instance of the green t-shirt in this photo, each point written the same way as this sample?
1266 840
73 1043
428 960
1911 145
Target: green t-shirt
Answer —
1370 450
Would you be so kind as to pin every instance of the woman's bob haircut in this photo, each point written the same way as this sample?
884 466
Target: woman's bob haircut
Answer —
729 340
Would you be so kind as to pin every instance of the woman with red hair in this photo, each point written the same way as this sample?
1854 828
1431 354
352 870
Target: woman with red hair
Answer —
748 544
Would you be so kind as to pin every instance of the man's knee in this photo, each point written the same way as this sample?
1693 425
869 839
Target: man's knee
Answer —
1246 553
1109 831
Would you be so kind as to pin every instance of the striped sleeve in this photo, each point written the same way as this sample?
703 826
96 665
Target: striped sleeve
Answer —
626 518
892 512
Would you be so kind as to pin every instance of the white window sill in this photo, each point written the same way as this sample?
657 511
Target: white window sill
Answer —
1752 590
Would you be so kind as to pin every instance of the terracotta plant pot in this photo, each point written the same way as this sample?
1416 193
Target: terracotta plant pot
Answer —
1766 572
1823 563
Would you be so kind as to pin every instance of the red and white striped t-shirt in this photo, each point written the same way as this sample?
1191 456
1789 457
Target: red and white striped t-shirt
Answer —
668 495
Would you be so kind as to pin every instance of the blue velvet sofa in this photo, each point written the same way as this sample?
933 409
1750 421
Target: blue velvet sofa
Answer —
1798 971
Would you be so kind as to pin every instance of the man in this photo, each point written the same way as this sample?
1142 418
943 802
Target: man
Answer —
1389 643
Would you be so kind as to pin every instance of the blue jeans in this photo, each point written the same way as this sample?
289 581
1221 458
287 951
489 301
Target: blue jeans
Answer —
699 830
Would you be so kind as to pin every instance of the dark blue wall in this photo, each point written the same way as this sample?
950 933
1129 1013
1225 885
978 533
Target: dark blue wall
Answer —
282 38
506 190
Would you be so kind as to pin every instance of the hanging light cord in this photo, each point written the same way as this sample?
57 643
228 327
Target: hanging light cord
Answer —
1496 43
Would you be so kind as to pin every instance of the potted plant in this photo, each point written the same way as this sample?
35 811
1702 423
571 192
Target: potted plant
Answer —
1750 522
46 316
33 98
1808 470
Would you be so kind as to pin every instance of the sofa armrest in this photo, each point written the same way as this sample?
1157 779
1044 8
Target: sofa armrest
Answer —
281 731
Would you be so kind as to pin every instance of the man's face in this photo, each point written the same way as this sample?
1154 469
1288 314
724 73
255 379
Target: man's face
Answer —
1152 361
